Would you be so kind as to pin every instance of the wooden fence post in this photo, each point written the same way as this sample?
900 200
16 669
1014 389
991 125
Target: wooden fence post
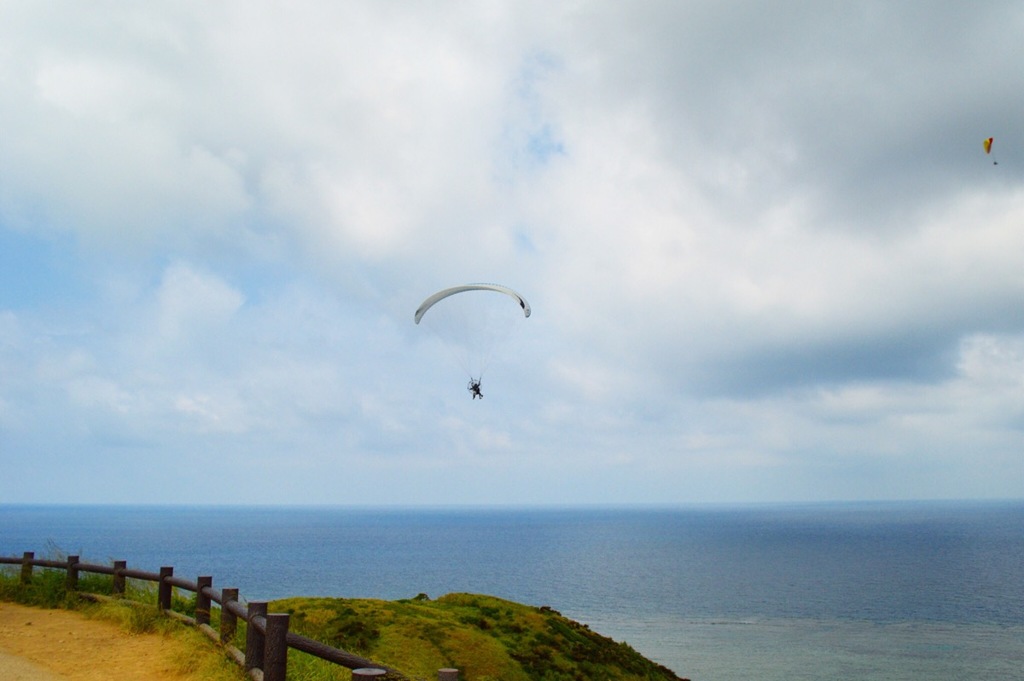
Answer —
367 674
447 675
228 620
71 583
118 588
164 590
203 600
275 656
26 566
253 636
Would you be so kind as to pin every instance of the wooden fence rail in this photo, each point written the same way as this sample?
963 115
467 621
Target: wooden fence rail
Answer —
267 637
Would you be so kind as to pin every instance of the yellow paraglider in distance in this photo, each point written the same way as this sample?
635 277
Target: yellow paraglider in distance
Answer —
988 150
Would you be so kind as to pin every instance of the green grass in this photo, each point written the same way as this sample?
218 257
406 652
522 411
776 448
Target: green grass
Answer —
486 638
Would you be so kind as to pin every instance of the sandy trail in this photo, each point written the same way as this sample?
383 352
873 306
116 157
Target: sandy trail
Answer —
61 645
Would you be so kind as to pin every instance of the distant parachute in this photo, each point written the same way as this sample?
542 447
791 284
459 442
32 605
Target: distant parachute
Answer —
988 150
441 295
473 321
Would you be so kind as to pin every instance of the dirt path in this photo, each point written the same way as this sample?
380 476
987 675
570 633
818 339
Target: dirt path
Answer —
60 645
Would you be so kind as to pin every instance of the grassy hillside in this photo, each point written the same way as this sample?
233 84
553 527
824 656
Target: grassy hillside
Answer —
486 638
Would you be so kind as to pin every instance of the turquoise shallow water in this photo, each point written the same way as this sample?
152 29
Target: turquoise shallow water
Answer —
866 591
787 649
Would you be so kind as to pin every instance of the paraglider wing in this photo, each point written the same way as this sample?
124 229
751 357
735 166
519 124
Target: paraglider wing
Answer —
441 295
988 150
474 322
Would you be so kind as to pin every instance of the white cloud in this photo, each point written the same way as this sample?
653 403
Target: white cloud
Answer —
766 254
190 303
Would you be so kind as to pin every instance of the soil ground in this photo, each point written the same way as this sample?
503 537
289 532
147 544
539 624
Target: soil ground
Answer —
61 645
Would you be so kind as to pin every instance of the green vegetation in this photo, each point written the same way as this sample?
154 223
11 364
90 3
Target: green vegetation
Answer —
486 638
48 589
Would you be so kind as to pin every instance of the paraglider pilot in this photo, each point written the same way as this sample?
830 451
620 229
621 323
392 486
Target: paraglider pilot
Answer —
474 388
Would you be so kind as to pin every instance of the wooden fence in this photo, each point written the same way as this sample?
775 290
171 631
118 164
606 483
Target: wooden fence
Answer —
267 637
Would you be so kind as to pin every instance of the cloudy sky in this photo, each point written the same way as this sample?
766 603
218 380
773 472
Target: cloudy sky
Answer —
767 256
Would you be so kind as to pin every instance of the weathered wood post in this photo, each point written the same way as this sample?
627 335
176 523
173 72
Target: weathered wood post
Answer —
228 620
203 600
253 636
275 656
367 674
71 582
26 566
164 590
118 588
448 674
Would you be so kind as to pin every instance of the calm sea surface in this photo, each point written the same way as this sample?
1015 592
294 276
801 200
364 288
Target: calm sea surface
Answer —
854 591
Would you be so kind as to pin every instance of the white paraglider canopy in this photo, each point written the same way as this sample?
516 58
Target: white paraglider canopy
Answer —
441 295
473 321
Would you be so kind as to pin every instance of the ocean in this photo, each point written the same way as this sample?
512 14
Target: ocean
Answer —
896 591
